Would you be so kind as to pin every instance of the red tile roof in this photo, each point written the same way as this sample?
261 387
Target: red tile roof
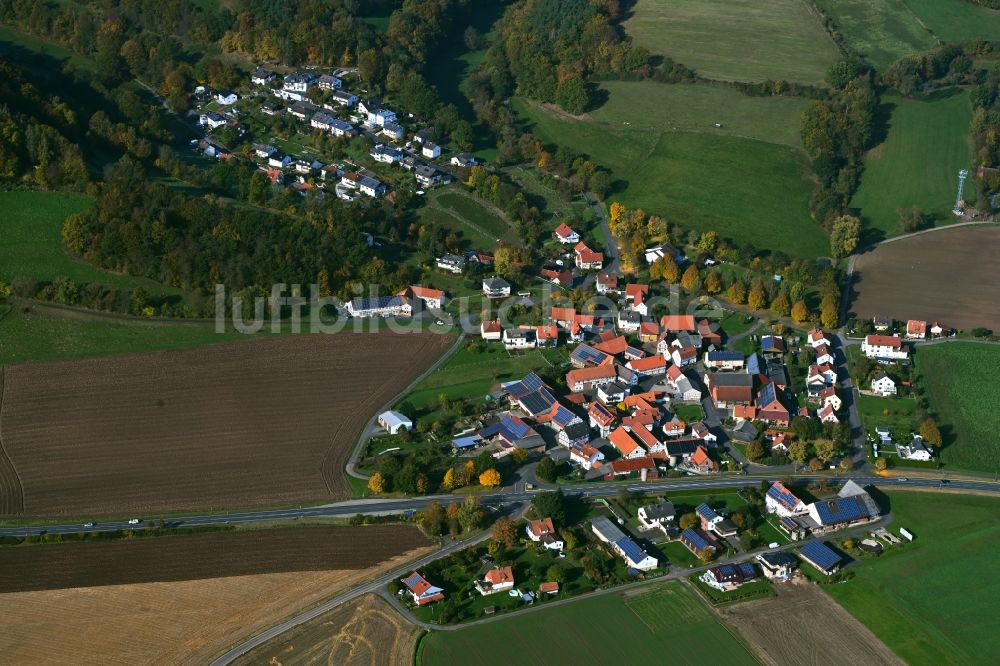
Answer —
590 374
648 363
564 230
501 575
678 323
883 341
614 346
636 292
623 441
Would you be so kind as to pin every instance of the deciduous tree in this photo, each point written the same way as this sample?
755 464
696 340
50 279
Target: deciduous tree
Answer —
930 432
490 478
800 311
505 532
376 483
690 279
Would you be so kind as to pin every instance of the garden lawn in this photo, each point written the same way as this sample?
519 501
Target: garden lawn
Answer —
474 214
917 164
739 40
882 31
960 380
607 629
40 335
901 419
750 191
31 229
647 105
957 20
931 601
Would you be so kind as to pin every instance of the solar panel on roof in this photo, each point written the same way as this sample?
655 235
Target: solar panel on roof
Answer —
630 549
535 403
841 510
820 554
563 416
412 580
706 512
747 570
788 523
766 395
695 539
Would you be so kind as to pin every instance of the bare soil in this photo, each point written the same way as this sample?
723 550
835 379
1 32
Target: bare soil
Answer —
802 625
188 622
256 423
946 276
364 632
194 556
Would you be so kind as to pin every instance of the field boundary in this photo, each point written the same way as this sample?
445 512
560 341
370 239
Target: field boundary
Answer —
12 489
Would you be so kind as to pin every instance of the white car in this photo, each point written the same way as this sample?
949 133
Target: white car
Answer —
134 521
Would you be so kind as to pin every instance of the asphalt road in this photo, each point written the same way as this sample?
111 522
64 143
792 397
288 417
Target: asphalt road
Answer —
501 499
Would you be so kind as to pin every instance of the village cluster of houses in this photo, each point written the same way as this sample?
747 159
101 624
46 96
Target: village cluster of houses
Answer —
345 114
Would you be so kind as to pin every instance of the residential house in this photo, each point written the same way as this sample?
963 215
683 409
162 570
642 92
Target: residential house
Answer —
544 532
824 356
729 389
393 131
496 580
421 589
677 323
586 379
917 449
380 306
663 250
519 338
226 98
701 431
828 396
261 76
464 160
724 360
777 565
612 393
566 235
453 263
634 556
302 110
329 82
821 556
883 347
427 176
684 356
772 345
394 422
782 502
586 456
698 541
650 366
643 468
491 330
298 82
601 418
549 587
343 98
635 297
584 356
882 323
587 259
649 331
321 121
657 516
626 444
817 337
496 287
372 187
607 284
511 432
430 150
769 407
882 384
701 462
386 154
827 414
728 577
211 120
628 321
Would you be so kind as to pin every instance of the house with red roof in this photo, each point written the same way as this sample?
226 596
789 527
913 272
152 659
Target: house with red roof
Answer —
916 329
817 337
587 259
565 234
701 462
626 444
650 366
888 347
601 418
684 356
586 379
676 323
421 590
432 298
635 296
496 580
607 284
643 467
544 532
827 415
491 330
559 278
586 456
613 346
649 331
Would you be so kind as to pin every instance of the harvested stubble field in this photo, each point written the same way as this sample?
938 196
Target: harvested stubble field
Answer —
212 555
947 276
194 620
364 632
823 633
254 423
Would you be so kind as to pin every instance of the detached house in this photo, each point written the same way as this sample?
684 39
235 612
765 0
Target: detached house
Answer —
883 385
729 389
884 347
496 580
544 532
421 589
587 379
496 287
817 337
565 234
452 263
916 329
586 456
727 577
626 444
607 284
782 502
587 259
657 516
724 360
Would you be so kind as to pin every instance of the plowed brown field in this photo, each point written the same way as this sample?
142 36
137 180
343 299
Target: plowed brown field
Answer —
253 423
947 276
363 632
187 622
213 555
802 625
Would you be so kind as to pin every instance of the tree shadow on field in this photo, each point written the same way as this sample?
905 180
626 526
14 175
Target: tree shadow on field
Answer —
882 122
883 500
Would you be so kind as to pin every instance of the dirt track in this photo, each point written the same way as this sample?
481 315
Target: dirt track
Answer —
802 625
256 423
947 276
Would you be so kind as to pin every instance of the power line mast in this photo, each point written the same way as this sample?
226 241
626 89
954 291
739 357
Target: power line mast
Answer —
962 175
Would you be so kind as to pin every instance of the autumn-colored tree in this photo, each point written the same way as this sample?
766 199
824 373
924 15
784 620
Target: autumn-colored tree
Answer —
737 293
470 515
490 478
757 298
687 521
470 471
432 518
798 451
505 532
656 228
829 316
930 432
780 305
421 484
706 556
708 241
816 464
376 483
665 268
690 279
615 211
453 511
881 464
800 311
755 451
449 479
713 281
846 464
844 236
826 450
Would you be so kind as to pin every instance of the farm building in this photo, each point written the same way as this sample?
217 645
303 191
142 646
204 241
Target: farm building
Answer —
821 556
884 347
393 422
698 542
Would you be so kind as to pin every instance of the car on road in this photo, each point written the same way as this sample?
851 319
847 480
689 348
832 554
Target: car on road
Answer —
133 521
944 481
88 524
902 479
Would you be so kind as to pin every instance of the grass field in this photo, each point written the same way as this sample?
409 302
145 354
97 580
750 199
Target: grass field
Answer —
738 40
964 395
607 629
31 227
259 423
10 38
747 190
928 600
901 418
917 164
956 20
882 31
698 107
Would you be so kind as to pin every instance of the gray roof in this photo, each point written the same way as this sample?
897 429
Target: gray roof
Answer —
608 530
496 283
665 509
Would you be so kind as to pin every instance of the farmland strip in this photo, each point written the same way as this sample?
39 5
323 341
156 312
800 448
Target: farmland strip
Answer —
11 490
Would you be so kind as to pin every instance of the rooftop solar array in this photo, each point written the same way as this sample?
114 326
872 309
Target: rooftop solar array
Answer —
841 510
782 495
706 512
724 356
820 554
587 355
630 549
698 541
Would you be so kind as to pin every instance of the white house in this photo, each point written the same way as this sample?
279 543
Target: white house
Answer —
883 347
430 150
917 449
464 160
519 338
827 414
883 385
386 154
496 287
279 161
261 76
496 580
393 131
371 187
824 356
393 422
782 502
452 263
817 337
380 306
298 83
328 82
544 532
564 234
343 98
226 98
657 516
211 120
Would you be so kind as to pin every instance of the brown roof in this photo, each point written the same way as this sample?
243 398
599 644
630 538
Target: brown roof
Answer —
883 341
500 575
590 374
548 588
678 323
623 441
